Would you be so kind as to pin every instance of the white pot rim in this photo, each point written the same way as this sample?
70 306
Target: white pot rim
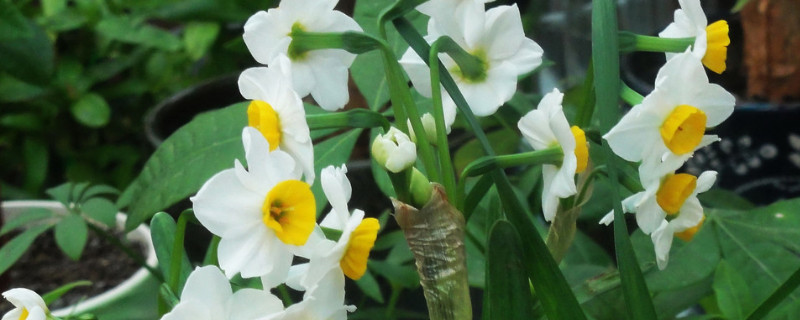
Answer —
139 235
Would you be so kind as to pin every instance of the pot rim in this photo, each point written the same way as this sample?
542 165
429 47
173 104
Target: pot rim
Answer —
139 235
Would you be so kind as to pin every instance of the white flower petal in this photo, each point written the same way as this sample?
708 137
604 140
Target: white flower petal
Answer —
265 37
705 181
207 286
527 58
633 134
549 200
330 91
190 310
503 32
225 207
418 72
649 214
691 214
662 241
248 304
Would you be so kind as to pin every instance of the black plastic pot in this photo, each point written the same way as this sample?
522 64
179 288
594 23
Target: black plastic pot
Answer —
171 114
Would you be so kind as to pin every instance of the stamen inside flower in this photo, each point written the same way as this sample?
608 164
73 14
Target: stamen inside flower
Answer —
290 211
354 261
24 314
688 234
674 191
581 148
262 116
683 129
717 50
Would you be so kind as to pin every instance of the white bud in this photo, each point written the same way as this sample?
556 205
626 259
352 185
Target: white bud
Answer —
394 150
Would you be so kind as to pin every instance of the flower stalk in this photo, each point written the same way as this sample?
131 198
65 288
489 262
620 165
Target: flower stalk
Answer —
630 42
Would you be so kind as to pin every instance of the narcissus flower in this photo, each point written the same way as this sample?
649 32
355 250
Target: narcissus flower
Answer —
545 127
262 214
496 38
207 295
27 305
711 41
674 117
322 73
350 252
277 112
684 226
394 150
325 300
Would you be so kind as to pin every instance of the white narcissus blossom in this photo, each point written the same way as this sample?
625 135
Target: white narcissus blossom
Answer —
349 254
207 295
671 121
322 73
262 214
325 301
277 112
684 227
394 150
27 305
495 37
711 41
544 127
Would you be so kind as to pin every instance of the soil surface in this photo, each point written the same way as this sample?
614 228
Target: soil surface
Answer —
44 268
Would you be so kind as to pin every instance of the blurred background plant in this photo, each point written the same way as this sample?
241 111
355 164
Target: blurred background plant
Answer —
77 77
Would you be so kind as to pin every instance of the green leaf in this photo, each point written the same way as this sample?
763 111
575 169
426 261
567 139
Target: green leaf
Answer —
102 210
334 151
31 56
776 297
13 250
12 23
91 110
71 234
14 90
370 287
403 275
724 199
504 141
206 145
124 29
36 163
198 37
506 281
26 217
739 5
733 294
52 296
62 193
77 191
162 230
97 190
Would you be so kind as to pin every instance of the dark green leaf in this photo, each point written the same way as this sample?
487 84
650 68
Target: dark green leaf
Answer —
60 291
97 190
26 217
506 281
208 144
14 249
733 294
28 58
724 199
102 210
777 297
77 191
36 163
12 23
370 287
198 37
13 90
71 234
162 230
403 275
126 30
91 110
334 151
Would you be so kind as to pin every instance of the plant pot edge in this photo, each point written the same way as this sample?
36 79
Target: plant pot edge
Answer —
140 235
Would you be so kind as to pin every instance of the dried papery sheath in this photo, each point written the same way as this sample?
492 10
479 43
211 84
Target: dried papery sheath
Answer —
435 235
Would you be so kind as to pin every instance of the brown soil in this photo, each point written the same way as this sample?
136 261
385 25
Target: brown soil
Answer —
44 268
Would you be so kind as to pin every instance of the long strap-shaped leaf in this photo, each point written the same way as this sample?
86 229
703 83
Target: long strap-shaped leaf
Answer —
506 282
551 287
776 297
605 59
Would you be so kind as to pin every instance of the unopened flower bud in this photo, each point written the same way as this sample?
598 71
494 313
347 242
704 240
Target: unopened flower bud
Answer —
394 150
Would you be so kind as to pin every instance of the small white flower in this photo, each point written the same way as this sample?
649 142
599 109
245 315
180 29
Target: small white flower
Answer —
27 305
495 37
544 127
711 41
673 118
394 150
349 254
277 112
262 214
325 301
322 73
207 295
684 226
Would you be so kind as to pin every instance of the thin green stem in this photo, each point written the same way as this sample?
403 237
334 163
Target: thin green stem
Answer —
285 296
553 155
629 95
391 307
448 173
127 250
211 253
630 42
177 249
356 118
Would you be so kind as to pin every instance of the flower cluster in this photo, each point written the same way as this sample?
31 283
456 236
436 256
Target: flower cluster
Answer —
669 124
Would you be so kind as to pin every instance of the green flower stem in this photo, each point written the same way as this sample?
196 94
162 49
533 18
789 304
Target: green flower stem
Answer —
472 67
351 41
553 155
448 173
331 234
177 249
356 118
557 298
127 250
629 95
401 183
211 253
630 42
776 297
